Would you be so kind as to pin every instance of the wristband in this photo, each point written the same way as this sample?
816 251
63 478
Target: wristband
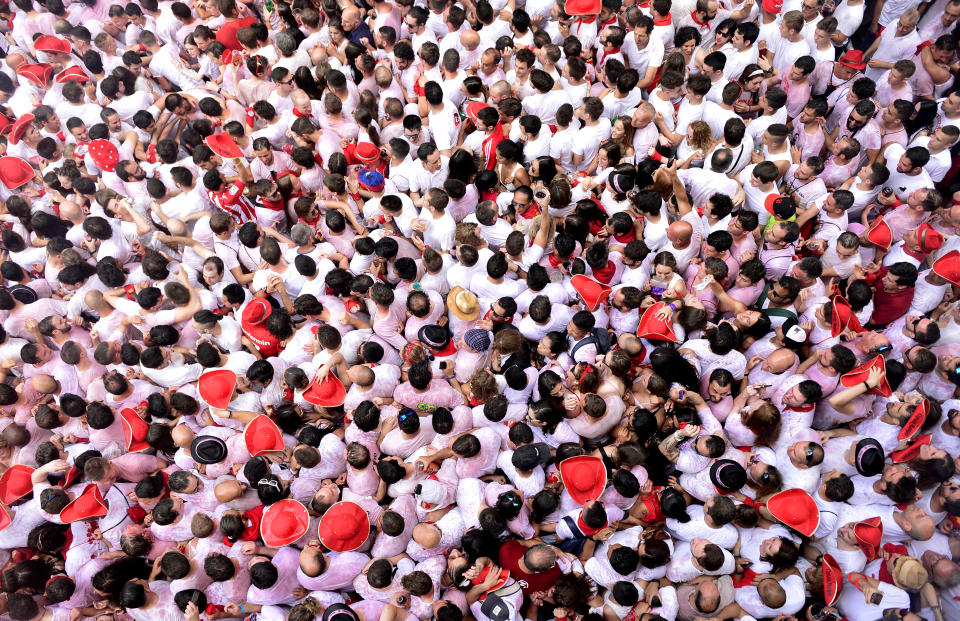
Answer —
867 386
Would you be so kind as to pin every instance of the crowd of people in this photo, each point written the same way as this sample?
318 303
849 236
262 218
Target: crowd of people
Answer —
403 310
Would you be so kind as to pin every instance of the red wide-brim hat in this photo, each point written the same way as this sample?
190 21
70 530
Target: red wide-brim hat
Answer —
344 527
911 451
262 435
15 172
591 292
216 387
880 234
224 145
74 73
853 59
796 509
326 393
89 504
134 430
284 522
652 327
916 421
861 373
584 477
16 483
948 267
39 74
51 45
832 580
869 534
19 128
582 7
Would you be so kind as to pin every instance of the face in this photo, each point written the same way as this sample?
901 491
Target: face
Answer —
856 121
905 26
717 393
641 36
433 162
689 47
820 37
285 86
951 105
617 131
264 155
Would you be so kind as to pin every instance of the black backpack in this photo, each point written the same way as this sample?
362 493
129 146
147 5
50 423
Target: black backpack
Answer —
599 337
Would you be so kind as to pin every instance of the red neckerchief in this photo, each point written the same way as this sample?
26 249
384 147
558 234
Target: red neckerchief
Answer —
604 54
663 21
801 409
288 394
475 403
61 136
489 195
919 256
586 530
693 16
531 212
447 351
746 579
884 575
605 274
612 21
251 532
921 46
595 227
652 503
301 115
273 205
627 238
489 145
554 261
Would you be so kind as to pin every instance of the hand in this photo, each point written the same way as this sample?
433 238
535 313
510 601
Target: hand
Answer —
874 378
690 431
873 63
753 362
30 324
192 613
248 548
233 610
871 268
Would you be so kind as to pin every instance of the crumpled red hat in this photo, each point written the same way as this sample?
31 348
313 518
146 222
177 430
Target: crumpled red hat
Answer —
284 522
344 527
861 373
104 154
216 387
797 509
843 317
39 74
134 430
916 421
652 327
16 483
74 73
224 145
584 477
89 504
15 171
832 579
911 451
19 128
880 234
262 435
52 45
591 292
328 392
947 267
471 108
869 534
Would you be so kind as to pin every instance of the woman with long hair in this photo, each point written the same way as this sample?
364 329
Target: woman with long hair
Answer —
509 166
752 87
696 143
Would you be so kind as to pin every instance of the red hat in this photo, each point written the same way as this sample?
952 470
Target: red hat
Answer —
262 435
5 518
502 580
284 522
227 57
929 238
74 73
591 292
38 74
948 267
134 430
783 207
797 509
104 154
216 387
916 421
869 534
652 327
880 234
911 451
843 317
15 483
89 504
256 312
15 171
473 107
52 45
773 7
224 145
861 373
582 7
367 152
327 393
344 527
19 128
5 124
853 59
584 477
832 579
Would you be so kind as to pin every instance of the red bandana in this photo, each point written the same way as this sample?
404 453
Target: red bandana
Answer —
605 274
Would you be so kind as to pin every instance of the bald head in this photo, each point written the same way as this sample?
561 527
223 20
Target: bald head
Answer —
708 597
71 211
427 535
361 375
44 384
299 97
540 558
16 435
177 227
771 593
679 233
15 60
182 436
228 491
780 360
350 18
469 39
94 299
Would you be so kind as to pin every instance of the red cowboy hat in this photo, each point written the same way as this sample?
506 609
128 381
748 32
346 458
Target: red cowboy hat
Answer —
284 522
832 579
853 59
880 234
74 73
582 7
15 171
89 504
326 393
502 580
216 387
652 327
104 154
929 238
861 373
473 107
5 124
911 451
797 509
915 422
38 74
367 152
947 267
869 534
19 128
843 317
5 518
224 145
134 430
584 477
344 527
51 45
591 292
262 435
15 483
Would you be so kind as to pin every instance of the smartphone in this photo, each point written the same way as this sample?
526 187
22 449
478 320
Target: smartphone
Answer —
876 598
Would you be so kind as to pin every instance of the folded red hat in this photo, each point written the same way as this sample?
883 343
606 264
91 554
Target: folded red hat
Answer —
227 57
652 327
832 579
5 518
134 430
19 128
262 435
104 154
584 477
224 145
591 292
916 421
326 393
869 534
39 74
473 107
51 45
861 373
880 234
216 387
843 317
929 238
89 504
797 509
74 73
284 522
16 483
947 267
582 7
911 451
344 527
367 152
15 171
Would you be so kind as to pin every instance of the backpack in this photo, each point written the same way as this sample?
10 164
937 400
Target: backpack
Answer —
599 337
